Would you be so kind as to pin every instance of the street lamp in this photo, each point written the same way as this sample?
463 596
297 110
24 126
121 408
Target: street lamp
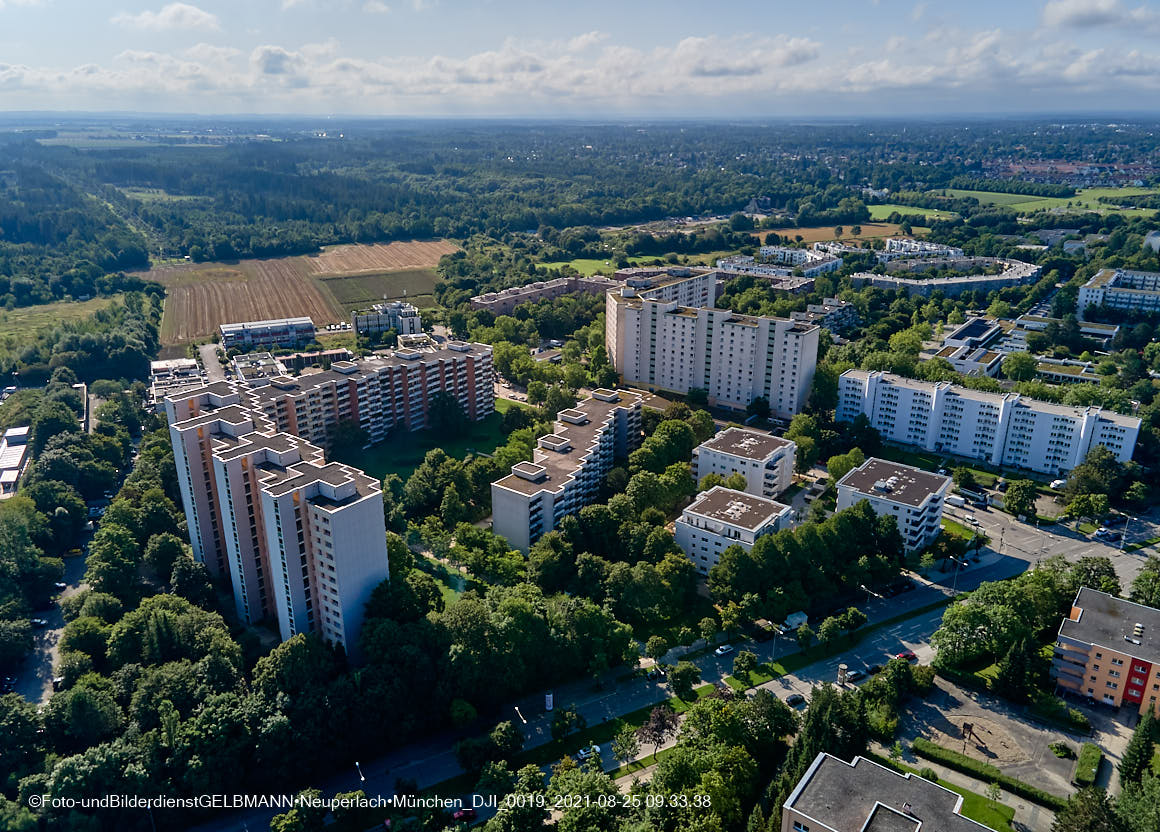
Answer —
358 768
520 715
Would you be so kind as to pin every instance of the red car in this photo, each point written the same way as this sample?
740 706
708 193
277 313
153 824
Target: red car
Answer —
465 815
908 655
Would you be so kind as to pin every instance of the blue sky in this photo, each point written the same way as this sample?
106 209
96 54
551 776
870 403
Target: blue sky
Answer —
729 58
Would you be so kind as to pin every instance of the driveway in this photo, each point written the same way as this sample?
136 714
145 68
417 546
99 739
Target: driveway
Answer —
34 679
209 360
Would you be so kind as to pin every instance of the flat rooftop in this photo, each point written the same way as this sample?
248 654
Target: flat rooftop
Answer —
558 466
886 480
974 328
745 511
749 444
1110 622
863 796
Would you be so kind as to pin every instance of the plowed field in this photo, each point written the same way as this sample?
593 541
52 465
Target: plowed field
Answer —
416 254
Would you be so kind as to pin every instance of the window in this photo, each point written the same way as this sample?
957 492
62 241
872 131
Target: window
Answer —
798 826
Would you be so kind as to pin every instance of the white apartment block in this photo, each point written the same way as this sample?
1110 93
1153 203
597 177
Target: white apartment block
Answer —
400 316
1003 429
781 261
766 461
905 247
720 518
172 376
1122 289
658 340
567 467
912 496
300 539
972 361
280 332
1015 273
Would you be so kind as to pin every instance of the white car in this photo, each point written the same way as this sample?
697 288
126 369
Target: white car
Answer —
723 650
588 753
1058 483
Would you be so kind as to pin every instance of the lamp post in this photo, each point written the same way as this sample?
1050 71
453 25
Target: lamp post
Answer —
358 768
520 715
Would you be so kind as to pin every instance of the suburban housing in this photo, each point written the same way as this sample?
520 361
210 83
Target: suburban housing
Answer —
912 496
1109 649
720 518
567 467
1004 429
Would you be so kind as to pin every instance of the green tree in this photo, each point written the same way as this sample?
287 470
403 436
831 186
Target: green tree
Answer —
744 663
1138 806
656 648
445 416
1089 810
683 678
1019 499
964 477
625 745
840 465
1146 585
1016 674
829 631
162 552
661 724
852 619
1137 757
759 407
805 636
1020 366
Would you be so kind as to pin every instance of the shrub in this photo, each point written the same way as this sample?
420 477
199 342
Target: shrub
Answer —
1087 765
923 679
1062 750
929 773
987 773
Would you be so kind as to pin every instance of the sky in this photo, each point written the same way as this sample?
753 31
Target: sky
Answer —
583 58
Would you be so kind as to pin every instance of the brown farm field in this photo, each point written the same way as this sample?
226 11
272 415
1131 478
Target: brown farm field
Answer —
201 297
325 286
349 259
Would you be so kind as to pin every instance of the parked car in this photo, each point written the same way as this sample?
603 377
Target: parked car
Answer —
8 684
1057 484
588 753
1115 521
39 623
60 586
874 668
795 699
465 815
723 650
1107 536
908 655
1001 486
58 684
854 675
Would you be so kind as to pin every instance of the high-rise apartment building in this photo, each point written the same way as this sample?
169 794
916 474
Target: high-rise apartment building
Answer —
299 538
567 467
1003 429
720 518
658 339
1123 289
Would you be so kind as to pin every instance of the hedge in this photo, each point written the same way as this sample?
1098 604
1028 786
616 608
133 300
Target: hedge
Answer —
987 773
1088 764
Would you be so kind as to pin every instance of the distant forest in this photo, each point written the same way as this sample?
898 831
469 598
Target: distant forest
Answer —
71 216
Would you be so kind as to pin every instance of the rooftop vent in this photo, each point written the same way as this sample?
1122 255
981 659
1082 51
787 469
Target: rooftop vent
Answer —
572 415
458 346
530 471
344 367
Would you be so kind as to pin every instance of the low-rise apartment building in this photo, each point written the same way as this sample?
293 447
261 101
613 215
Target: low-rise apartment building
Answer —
567 467
401 317
833 314
1014 273
766 461
1109 649
1002 429
505 300
863 796
912 496
972 361
656 339
720 518
1123 289
14 459
172 376
287 333
782 261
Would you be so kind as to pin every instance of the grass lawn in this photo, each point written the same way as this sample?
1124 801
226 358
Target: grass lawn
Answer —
451 584
977 807
881 212
403 454
1044 704
590 266
1086 199
24 322
957 528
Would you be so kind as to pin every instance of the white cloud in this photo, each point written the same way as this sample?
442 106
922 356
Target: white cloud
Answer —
173 16
917 12
376 7
1091 13
12 3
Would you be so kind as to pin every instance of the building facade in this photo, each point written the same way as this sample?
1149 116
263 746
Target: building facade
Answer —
1014 273
1003 429
832 314
912 496
766 461
656 339
1109 650
287 333
400 316
567 467
863 796
1122 289
720 518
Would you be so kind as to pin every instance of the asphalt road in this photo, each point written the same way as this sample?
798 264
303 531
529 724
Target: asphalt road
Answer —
209 360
